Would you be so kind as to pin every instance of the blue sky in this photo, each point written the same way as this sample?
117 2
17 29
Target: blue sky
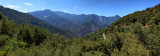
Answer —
99 7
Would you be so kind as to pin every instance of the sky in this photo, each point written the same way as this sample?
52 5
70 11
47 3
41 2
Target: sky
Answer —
99 7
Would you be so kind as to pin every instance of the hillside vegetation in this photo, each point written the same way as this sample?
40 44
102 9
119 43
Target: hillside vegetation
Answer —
139 29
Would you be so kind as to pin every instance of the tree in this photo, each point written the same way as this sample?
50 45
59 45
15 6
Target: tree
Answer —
5 26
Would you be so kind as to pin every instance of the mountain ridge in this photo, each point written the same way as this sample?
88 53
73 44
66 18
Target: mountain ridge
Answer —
73 22
20 17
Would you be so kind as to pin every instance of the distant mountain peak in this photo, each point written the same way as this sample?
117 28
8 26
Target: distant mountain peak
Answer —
117 16
93 15
47 10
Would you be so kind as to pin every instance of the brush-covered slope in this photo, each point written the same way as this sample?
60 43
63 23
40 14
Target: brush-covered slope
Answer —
147 16
141 28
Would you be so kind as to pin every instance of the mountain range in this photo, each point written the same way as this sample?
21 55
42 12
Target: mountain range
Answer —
70 25
81 25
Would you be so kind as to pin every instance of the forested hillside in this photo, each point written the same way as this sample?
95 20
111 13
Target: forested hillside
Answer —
19 17
16 36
